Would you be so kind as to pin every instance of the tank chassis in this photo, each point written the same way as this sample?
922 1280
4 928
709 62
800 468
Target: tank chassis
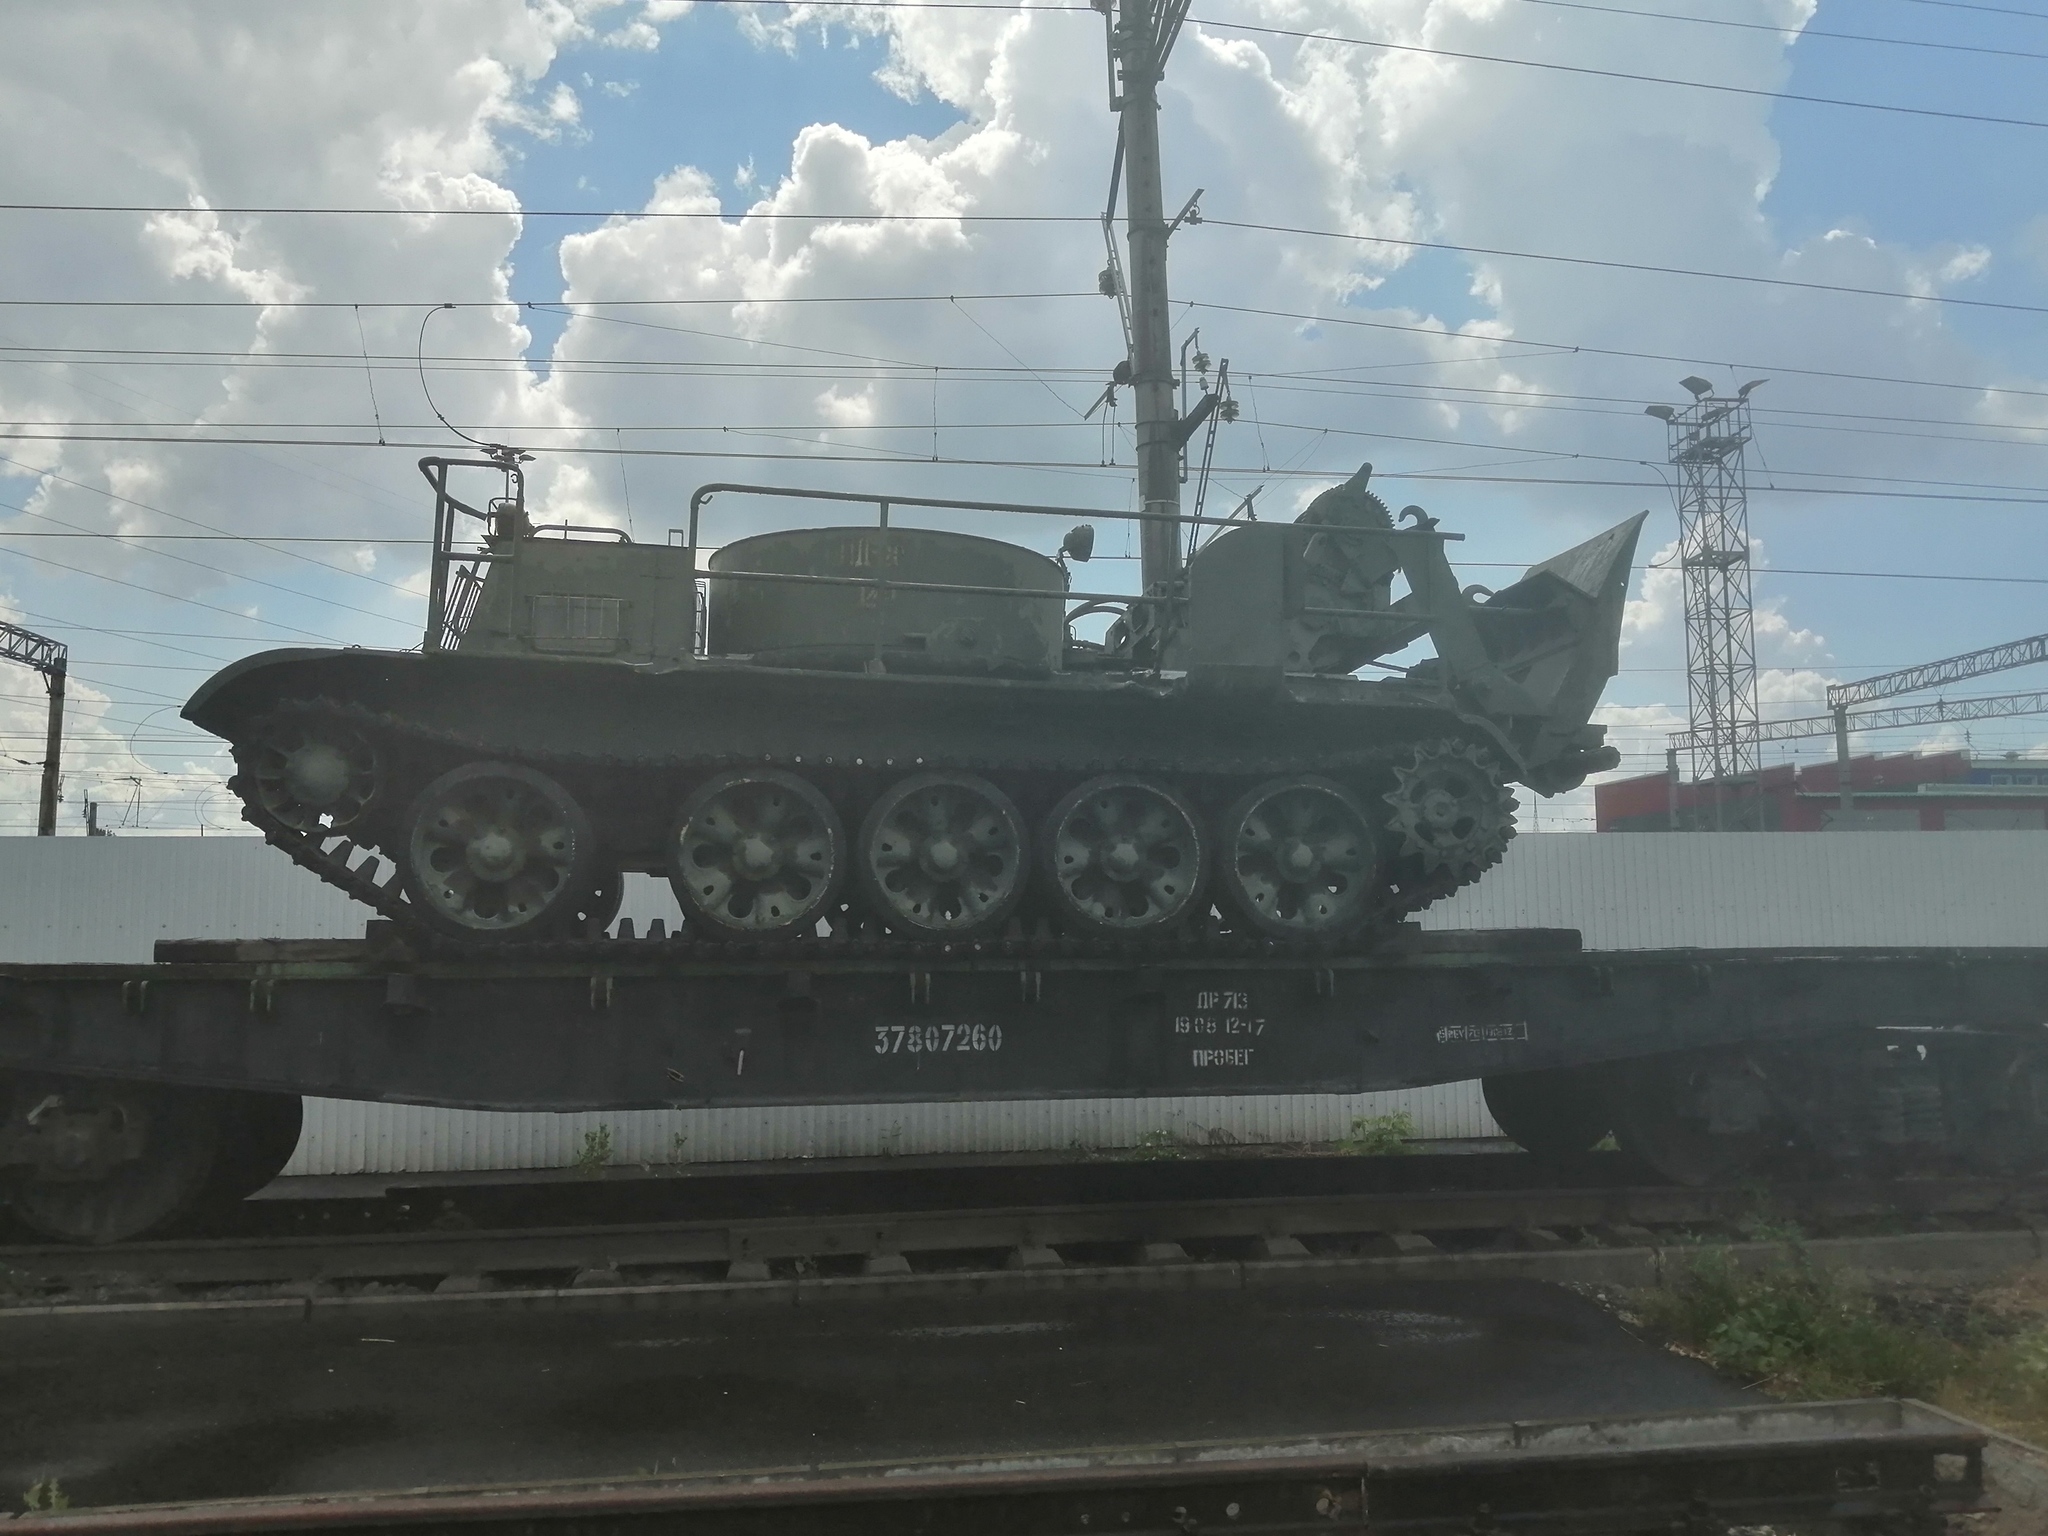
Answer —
880 729
133 1095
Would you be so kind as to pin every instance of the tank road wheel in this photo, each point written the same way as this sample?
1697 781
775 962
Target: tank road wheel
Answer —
497 851
1554 1113
1123 856
1451 812
942 856
310 773
756 851
107 1161
1299 860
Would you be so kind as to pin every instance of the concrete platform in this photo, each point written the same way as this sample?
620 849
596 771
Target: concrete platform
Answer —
145 1409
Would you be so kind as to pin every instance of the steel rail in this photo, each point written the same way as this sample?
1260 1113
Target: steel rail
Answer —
1878 1464
1150 1231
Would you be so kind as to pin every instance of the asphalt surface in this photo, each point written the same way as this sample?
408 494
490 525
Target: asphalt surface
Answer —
136 1409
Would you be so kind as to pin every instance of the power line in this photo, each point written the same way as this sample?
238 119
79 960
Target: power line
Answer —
1650 268
191 522
22 554
1571 348
1623 74
1536 347
1799 33
164 554
559 304
1946 5
1092 219
889 457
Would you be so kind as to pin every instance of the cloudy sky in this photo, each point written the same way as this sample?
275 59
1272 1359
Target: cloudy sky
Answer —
1466 240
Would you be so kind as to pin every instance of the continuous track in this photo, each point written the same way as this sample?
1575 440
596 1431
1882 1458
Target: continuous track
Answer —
333 858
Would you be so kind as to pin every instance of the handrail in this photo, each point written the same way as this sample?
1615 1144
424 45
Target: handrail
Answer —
884 501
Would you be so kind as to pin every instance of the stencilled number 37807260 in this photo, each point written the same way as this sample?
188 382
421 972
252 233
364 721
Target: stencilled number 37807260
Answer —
936 1039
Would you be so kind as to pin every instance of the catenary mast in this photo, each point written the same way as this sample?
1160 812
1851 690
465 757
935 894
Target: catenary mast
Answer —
1142 34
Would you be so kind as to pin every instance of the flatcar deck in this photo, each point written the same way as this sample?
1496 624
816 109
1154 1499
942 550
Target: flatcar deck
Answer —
638 1024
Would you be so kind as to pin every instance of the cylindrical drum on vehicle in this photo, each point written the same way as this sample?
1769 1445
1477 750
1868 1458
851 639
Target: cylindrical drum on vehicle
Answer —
840 627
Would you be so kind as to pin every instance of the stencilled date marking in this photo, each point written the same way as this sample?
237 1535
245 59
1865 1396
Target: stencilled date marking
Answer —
1221 1015
936 1039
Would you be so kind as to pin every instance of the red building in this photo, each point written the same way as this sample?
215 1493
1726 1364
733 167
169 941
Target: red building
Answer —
1940 792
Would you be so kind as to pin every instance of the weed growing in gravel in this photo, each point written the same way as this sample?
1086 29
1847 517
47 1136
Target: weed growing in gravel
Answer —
1379 1135
595 1155
1798 1332
1153 1145
46 1497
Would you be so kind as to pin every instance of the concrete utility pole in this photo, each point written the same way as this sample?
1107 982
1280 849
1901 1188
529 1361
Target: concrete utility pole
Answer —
50 658
1143 35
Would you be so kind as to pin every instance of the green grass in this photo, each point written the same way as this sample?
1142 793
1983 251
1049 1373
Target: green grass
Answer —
595 1155
1379 1135
1798 1332
1155 1145
46 1497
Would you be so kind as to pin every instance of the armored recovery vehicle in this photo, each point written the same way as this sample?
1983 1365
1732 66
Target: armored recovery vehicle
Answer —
878 732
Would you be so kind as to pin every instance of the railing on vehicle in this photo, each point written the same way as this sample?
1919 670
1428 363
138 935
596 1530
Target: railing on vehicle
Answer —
455 577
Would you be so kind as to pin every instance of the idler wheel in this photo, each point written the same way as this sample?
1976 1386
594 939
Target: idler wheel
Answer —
111 1160
1122 855
1451 812
311 774
497 851
942 856
756 851
1298 859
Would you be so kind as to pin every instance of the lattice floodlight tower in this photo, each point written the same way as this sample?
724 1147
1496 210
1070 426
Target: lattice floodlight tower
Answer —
50 658
1707 439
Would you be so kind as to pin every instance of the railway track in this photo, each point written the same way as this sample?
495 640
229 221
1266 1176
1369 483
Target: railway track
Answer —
1090 1236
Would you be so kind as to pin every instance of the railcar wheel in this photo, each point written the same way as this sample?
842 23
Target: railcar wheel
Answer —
312 774
112 1161
258 1134
1123 856
1555 1113
1697 1120
756 851
943 856
1298 859
497 851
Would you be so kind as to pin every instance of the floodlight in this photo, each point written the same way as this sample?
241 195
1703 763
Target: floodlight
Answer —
1661 412
1697 385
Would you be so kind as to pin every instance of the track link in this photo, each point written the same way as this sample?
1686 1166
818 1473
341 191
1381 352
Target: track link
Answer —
333 857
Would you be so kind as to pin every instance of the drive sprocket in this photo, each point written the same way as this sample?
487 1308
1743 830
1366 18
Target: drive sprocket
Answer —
1452 816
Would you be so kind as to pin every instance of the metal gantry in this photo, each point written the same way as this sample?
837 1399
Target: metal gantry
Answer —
1931 674
1707 440
51 659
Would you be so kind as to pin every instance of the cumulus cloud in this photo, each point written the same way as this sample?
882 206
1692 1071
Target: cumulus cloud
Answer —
1447 372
